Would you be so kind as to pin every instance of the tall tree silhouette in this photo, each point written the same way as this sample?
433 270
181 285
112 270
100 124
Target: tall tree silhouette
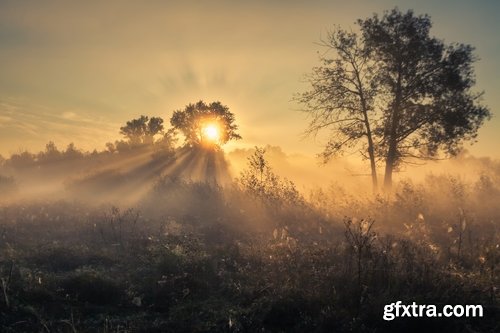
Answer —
342 97
425 89
406 94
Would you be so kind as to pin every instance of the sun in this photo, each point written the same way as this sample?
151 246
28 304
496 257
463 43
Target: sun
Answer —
211 133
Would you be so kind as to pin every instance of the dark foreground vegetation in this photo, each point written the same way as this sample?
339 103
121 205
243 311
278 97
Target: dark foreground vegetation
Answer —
257 256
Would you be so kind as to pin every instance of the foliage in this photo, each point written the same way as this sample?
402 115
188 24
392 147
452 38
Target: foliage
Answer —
193 117
423 103
71 279
260 181
430 105
72 152
142 130
360 237
21 160
164 148
51 154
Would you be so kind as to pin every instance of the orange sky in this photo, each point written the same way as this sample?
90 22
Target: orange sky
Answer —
76 72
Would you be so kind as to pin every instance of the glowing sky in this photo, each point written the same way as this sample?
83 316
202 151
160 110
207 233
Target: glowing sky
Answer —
77 71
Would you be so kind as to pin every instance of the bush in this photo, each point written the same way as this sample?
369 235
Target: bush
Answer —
93 288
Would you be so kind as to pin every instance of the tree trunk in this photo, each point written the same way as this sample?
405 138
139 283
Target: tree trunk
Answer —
373 166
391 157
371 149
371 146
389 167
393 138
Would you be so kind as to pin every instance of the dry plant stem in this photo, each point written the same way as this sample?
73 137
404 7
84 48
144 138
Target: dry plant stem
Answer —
5 285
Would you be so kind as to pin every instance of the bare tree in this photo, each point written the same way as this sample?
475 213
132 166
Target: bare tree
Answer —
342 98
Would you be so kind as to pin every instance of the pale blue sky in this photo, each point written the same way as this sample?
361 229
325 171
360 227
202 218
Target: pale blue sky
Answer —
77 71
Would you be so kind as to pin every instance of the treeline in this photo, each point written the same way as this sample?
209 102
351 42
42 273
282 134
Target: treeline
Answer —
52 154
142 134
136 139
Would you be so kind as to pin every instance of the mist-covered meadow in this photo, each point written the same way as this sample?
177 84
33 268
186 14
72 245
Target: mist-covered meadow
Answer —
126 241
352 175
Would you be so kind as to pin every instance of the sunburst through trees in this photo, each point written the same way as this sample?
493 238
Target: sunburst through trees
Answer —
205 127
210 125
149 151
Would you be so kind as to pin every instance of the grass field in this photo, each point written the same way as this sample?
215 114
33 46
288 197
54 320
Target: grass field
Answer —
223 260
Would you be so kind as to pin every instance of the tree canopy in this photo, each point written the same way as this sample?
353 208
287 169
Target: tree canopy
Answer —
206 124
395 84
142 130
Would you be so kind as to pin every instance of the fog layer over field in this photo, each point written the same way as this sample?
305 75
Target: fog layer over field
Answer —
141 239
340 188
